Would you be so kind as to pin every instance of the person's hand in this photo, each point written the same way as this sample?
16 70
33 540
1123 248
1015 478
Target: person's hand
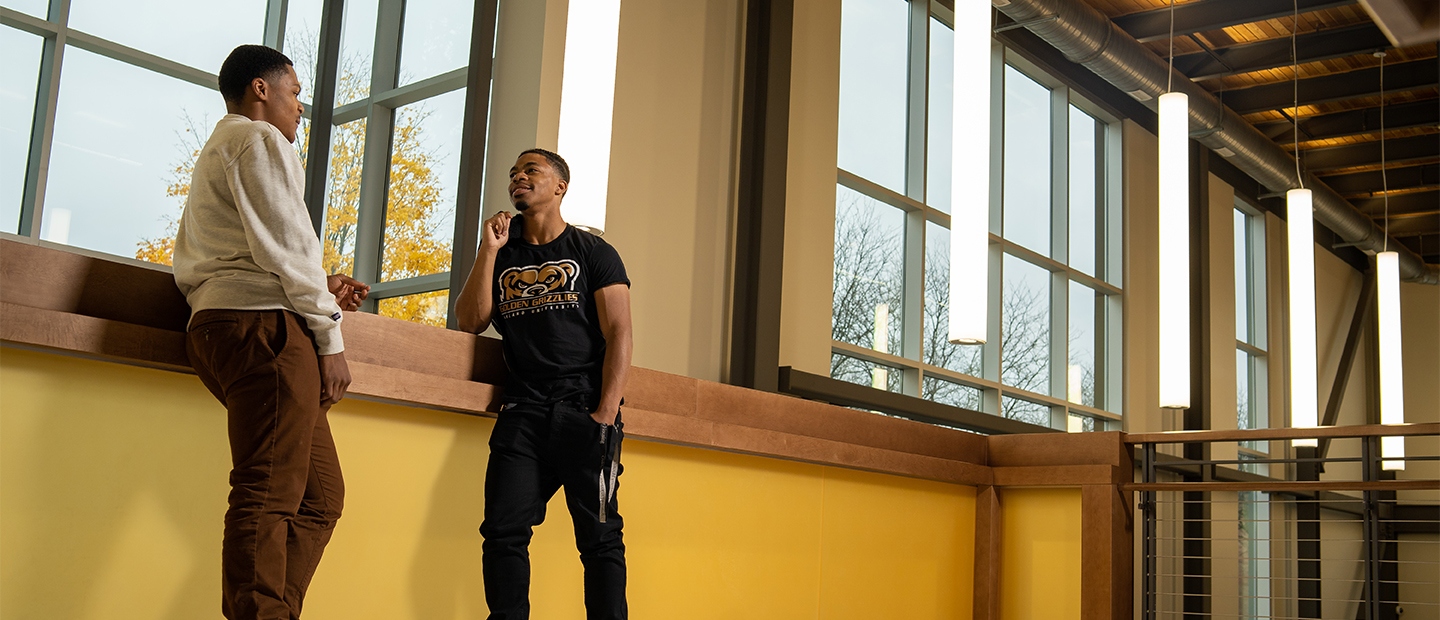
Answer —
602 416
334 378
348 291
495 231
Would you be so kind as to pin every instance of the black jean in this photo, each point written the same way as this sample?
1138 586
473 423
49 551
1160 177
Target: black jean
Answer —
534 451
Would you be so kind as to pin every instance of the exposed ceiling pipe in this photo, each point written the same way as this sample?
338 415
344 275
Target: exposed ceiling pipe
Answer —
1088 38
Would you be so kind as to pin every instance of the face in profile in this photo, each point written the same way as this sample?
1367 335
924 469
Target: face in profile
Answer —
282 102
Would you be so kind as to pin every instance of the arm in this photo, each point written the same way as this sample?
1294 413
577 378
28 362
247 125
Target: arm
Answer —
476 304
613 306
268 185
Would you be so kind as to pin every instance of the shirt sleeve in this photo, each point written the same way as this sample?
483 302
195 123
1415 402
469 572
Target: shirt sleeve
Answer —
268 185
605 267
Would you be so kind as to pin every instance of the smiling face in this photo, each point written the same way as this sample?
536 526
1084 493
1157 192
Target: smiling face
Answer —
281 101
534 183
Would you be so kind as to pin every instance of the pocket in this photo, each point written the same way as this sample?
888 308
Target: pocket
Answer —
275 338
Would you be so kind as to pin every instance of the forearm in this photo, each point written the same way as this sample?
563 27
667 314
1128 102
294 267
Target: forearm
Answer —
614 374
476 305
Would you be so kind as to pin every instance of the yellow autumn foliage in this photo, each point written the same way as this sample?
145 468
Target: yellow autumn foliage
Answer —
414 243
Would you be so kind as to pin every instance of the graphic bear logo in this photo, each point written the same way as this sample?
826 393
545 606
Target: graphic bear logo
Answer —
536 280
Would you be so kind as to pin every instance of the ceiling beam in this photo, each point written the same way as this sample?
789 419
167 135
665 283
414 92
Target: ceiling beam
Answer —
1310 47
1208 15
1412 226
1405 203
1413 75
1355 122
1397 150
1410 177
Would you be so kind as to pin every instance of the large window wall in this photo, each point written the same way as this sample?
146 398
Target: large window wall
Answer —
98 139
1055 289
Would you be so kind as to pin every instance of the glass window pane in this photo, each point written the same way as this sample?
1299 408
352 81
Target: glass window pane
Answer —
34 8
1027 162
951 393
424 171
1081 424
188 32
1084 178
942 113
302 43
21 51
1025 411
342 198
869 264
937 348
1244 392
861 372
120 166
874 41
1242 278
1025 327
436 38
1080 375
424 308
357 46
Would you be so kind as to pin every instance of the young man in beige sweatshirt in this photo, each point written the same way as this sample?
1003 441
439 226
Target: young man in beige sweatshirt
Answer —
264 336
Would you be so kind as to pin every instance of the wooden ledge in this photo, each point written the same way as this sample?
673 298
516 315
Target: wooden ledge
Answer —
73 304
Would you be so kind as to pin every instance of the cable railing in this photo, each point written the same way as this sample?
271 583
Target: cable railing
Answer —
1280 536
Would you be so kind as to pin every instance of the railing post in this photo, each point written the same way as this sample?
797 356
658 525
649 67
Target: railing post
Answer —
1307 538
1147 506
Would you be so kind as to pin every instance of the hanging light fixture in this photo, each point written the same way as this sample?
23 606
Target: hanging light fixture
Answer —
1303 401
1174 239
1304 405
970 169
587 105
1387 274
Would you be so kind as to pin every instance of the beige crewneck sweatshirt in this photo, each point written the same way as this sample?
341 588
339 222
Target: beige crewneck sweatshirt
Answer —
245 239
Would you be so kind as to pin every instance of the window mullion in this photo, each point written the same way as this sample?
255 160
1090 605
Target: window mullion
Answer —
42 128
379 132
275 12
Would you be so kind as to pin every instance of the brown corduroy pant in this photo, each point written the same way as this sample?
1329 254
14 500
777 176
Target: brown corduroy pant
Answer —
286 491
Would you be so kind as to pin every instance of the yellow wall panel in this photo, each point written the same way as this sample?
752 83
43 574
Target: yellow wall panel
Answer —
1040 553
896 548
113 484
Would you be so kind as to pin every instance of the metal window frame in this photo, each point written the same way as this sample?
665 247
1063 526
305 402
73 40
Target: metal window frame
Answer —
378 109
1106 282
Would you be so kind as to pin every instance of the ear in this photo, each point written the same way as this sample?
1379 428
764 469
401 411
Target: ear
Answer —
562 186
260 89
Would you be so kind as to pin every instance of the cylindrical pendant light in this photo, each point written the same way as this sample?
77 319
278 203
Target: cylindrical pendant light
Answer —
1304 410
1392 391
587 105
1174 240
970 175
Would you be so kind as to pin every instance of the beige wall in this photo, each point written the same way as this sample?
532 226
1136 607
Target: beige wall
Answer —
1420 325
673 177
810 187
1142 284
1219 310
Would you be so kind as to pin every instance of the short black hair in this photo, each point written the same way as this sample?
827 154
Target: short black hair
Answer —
244 64
556 161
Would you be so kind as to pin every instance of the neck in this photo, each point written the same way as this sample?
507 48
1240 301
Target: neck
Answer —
543 225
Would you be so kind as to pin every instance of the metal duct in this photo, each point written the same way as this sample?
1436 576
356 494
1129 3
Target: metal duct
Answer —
1088 38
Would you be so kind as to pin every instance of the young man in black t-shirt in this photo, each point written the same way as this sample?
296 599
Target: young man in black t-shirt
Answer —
561 301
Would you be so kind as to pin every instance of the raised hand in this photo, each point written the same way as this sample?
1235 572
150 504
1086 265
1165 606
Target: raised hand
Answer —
495 232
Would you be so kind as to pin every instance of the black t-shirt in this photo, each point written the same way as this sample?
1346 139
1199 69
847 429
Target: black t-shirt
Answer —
545 311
